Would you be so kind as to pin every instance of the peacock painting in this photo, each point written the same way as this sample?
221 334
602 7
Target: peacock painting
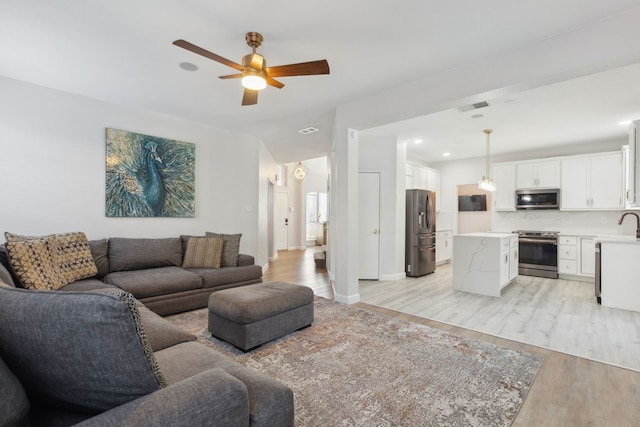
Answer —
147 176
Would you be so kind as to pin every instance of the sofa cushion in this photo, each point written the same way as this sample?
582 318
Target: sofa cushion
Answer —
160 332
87 285
77 350
154 281
136 254
100 253
203 252
14 404
270 401
226 275
231 248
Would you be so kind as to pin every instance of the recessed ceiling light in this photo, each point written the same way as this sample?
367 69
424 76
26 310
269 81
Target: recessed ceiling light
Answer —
307 131
188 66
417 141
446 154
625 122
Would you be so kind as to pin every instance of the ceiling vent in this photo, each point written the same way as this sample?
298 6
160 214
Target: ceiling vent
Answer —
307 131
474 106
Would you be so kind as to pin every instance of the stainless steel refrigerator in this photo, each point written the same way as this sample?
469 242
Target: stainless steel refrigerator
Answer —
420 241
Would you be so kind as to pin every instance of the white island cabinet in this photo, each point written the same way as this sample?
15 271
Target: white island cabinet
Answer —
484 263
619 272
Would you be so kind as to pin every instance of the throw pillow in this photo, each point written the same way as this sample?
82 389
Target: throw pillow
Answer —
74 257
69 254
85 351
231 248
34 263
203 252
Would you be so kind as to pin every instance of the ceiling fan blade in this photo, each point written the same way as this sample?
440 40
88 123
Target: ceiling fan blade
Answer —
203 52
250 97
274 83
301 69
230 76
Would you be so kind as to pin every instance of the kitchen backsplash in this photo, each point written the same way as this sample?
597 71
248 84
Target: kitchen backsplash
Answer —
588 223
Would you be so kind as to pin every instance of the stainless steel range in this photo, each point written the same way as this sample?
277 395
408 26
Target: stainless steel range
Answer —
538 253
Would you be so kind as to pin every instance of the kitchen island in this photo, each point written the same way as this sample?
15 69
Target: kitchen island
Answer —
484 263
620 272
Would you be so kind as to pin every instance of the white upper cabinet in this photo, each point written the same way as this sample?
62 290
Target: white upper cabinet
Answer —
504 176
592 182
538 174
424 179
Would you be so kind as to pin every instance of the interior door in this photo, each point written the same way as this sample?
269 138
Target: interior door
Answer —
282 221
369 225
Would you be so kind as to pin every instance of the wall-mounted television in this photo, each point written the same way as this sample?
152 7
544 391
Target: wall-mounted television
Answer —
472 203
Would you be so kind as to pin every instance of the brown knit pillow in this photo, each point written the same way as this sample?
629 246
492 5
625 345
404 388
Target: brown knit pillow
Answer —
50 262
203 252
34 263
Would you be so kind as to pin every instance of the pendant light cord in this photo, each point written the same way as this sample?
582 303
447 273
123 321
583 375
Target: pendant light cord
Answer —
487 131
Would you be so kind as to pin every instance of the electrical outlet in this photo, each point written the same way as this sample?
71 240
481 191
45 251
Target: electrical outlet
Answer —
604 219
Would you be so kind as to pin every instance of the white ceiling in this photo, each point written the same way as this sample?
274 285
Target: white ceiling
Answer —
121 51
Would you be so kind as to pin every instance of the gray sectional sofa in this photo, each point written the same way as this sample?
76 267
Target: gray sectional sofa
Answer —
151 270
101 358
95 352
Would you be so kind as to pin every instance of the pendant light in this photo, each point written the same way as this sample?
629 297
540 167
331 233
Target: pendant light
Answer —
487 183
300 172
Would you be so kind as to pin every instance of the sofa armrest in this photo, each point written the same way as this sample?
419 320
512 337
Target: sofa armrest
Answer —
212 397
244 259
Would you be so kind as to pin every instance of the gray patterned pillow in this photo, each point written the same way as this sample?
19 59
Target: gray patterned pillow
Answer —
231 248
90 353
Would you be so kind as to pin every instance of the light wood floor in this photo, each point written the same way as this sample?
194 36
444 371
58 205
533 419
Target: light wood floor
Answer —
568 391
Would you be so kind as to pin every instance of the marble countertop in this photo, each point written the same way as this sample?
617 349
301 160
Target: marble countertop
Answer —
618 239
488 234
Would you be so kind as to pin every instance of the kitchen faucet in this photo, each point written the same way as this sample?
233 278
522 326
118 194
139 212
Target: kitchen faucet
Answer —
637 222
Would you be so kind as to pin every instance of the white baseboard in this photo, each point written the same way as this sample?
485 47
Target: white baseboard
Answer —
392 277
347 299
273 258
265 268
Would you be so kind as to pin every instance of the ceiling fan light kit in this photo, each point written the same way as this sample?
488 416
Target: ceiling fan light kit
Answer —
254 81
254 72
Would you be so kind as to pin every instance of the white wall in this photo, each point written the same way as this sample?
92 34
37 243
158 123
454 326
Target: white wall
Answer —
52 160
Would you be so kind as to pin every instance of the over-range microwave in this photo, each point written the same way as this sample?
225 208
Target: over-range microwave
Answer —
538 199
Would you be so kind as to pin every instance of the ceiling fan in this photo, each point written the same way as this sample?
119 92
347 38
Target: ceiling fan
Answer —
254 71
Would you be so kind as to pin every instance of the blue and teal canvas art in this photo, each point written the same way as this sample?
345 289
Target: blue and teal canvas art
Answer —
148 176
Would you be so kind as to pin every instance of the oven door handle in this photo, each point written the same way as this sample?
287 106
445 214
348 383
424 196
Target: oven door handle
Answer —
537 241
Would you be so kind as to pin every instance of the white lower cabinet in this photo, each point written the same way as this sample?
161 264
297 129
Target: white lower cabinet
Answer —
513 259
576 256
444 246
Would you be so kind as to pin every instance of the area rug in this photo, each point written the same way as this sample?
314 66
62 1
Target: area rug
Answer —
353 367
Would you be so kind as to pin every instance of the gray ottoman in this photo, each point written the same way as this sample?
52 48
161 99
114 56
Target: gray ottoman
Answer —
248 316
